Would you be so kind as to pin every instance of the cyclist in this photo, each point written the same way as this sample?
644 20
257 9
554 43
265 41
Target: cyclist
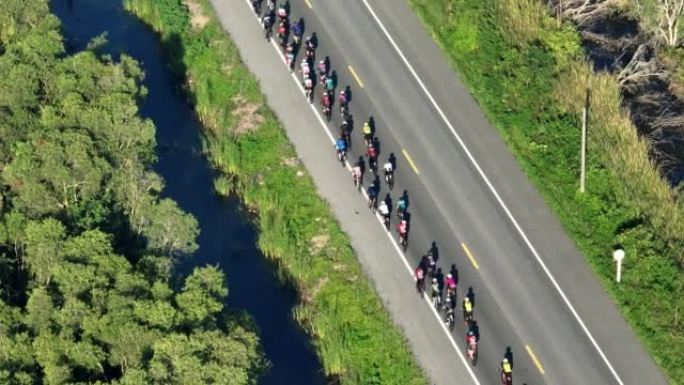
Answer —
343 98
402 228
304 67
434 289
282 12
308 88
402 205
341 147
467 310
506 370
310 42
322 68
450 283
289 55
270 7
470 337
389 169
372 154
384 211
329 83
297 31
283 30
372 192
420 279
267 22
367 133
325 100
357 173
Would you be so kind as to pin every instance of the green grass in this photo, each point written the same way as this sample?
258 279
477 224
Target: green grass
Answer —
521 77
352 333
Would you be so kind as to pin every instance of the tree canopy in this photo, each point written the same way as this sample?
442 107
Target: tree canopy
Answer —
86 242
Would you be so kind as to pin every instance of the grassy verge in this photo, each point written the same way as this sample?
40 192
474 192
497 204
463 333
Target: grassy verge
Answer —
528 74
352 333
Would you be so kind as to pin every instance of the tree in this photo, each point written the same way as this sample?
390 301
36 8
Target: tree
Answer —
203 295
663 18
168 229
44 244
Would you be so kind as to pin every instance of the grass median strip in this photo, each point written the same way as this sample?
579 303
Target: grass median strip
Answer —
353 334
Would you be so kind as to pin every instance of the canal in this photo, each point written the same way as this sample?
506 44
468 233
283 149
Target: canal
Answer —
226 239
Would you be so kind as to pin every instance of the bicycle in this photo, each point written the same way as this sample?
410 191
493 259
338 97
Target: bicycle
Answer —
436 299
357 180
449 319
373 203
403 241
506 378
342 155
389 179
386 221
471 351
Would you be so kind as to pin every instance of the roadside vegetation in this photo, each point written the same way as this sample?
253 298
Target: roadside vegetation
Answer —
87 245
527 70
353 334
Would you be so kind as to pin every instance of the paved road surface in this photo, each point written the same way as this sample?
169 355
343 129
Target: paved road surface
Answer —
518 307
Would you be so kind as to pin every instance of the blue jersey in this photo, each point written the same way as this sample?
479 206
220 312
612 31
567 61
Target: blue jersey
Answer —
341 145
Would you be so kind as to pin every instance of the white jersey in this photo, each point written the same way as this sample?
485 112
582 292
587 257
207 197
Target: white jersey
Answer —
383 209
388 167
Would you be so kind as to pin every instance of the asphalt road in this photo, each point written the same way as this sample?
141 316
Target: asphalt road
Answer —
534 294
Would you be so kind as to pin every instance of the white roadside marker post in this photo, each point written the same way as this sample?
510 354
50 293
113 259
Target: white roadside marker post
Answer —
618 256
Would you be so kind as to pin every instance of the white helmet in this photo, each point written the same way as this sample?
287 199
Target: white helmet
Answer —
505 360
449 276
434 280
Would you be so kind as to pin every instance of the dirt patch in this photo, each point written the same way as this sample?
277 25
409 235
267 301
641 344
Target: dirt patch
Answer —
197 17
248 119
291 162
318 243
308 297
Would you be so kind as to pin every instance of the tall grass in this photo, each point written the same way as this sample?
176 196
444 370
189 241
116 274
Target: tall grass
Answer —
351 331
528 73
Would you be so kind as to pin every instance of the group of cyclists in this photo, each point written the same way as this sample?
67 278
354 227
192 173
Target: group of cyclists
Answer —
442 288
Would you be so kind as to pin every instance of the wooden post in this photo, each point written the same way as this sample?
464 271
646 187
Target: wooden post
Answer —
583 154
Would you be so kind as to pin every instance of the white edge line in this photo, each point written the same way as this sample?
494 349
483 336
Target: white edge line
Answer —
379 218
496 195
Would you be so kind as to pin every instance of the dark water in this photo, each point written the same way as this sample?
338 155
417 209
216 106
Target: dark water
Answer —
226 238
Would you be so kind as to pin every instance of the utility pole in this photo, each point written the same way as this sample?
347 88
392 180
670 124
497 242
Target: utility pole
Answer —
583 154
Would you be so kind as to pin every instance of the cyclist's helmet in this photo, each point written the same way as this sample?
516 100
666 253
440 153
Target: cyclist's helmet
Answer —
505 360
471 333
434 280
449 276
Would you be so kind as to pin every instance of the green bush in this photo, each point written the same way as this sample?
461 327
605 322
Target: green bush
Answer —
530 79
352 333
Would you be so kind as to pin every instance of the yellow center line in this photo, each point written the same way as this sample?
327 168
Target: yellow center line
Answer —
309 3
355 75
534 358
413 165
470 256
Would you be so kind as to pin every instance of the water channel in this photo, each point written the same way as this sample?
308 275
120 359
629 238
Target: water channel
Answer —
227 239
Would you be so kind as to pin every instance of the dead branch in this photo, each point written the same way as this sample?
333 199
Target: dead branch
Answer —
642 66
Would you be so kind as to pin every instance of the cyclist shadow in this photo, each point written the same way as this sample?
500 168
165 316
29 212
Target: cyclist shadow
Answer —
454 272
471 295
376 144
348 92
509 355
388 202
